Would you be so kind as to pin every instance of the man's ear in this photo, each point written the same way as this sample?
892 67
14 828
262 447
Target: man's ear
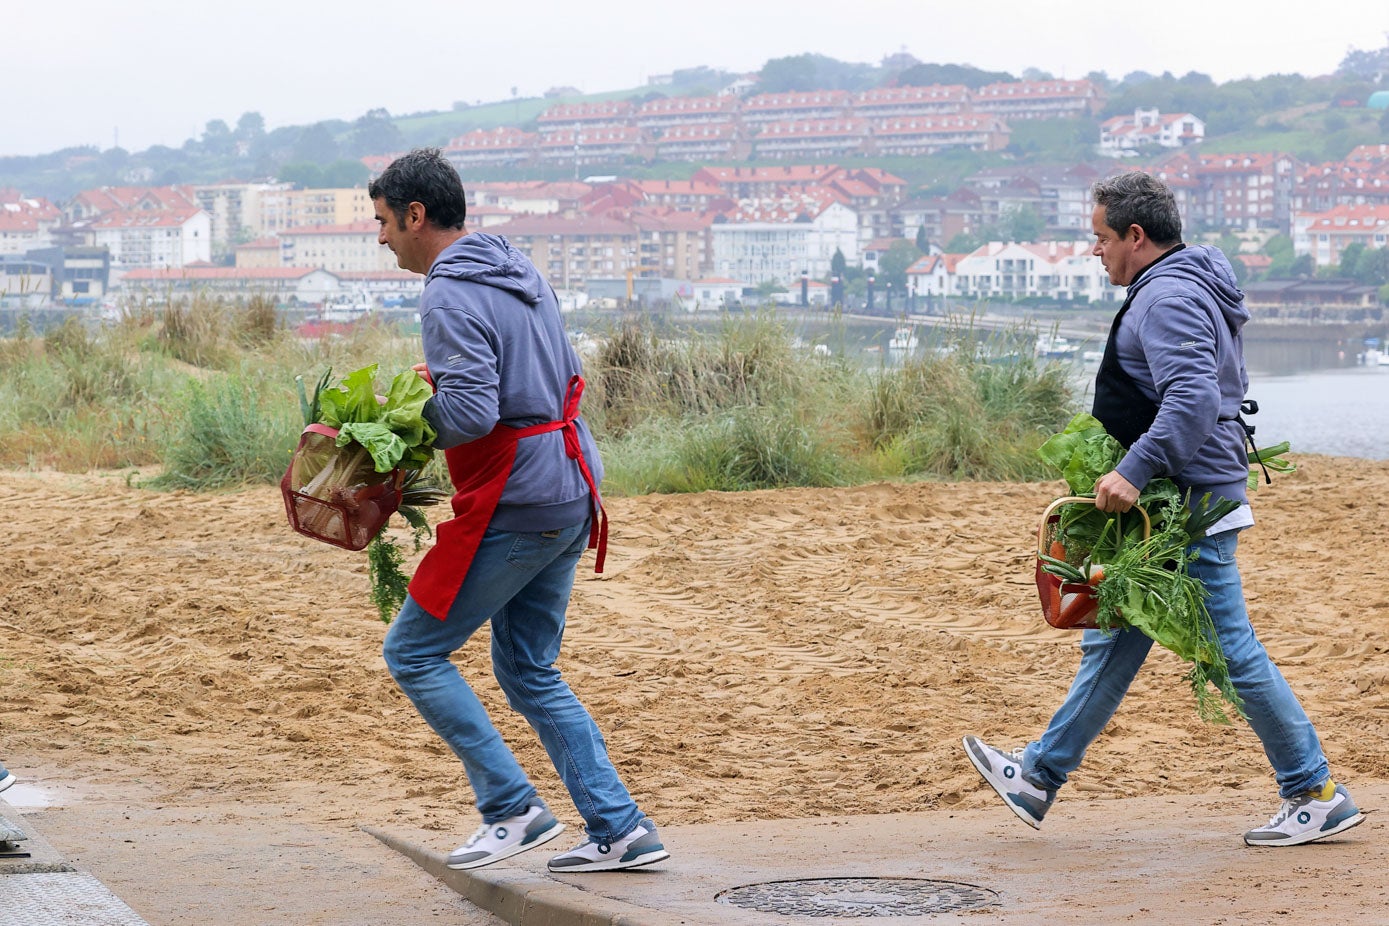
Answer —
1140 237
414 215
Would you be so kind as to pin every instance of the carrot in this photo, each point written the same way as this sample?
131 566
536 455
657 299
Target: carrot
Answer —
1058 549
1096 574
1076 607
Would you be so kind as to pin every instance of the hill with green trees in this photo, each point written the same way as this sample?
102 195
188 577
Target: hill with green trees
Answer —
1316 119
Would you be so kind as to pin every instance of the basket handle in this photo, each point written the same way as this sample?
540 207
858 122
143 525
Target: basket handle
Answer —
1082 500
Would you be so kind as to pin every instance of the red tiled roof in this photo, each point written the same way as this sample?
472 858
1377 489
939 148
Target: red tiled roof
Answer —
145 218
687 105
362 227
809 99
221 273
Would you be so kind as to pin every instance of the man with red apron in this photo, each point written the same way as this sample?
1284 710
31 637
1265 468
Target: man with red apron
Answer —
526 473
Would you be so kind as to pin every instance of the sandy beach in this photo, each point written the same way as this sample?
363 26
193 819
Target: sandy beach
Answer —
749 656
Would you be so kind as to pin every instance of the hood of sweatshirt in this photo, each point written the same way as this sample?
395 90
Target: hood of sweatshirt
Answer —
1204 267
490 260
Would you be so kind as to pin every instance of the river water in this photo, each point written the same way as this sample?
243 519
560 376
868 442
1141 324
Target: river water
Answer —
1313 392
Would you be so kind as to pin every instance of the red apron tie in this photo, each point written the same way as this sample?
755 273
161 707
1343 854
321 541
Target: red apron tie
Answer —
479 471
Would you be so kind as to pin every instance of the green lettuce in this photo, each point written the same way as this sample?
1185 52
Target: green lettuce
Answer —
395 432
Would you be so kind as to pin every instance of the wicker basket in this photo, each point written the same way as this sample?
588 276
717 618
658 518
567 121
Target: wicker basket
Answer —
360 502
1056 594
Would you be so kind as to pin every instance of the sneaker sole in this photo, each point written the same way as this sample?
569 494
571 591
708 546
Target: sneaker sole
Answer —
7 780
517 849
1310 836
660 855
1000 788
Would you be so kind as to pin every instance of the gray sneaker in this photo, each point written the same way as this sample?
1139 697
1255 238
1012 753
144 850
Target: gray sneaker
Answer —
641 846
495 841
1003 771
1306 819
6 778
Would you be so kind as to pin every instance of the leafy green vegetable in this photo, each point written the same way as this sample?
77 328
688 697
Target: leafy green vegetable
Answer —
396 435
1144 582
394 432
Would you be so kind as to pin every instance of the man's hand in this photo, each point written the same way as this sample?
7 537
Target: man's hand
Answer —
1115 493
423 370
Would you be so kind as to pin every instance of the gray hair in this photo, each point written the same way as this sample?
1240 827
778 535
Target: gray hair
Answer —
1136 198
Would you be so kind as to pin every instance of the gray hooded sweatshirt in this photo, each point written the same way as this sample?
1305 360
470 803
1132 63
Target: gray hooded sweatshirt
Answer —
1180 342
497 350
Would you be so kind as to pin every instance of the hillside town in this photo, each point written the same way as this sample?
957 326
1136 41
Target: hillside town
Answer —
780 204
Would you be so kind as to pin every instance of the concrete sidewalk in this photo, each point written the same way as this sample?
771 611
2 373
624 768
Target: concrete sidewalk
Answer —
1155 861
1092 863
38 887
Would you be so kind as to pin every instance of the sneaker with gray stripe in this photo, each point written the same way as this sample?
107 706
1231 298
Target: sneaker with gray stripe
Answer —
1003 771
496 841
641 846
1305 819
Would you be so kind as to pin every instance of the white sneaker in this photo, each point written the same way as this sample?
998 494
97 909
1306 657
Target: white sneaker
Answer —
6 778
495 841
1306 819
1003 771
642 846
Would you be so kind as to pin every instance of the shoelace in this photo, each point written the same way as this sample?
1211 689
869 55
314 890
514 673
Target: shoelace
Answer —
1283 813
481 832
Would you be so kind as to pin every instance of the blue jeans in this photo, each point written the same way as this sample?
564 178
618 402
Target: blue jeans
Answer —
1109 662
520 582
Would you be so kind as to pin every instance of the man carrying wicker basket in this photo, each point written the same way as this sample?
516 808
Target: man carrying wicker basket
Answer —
525 471
1169 389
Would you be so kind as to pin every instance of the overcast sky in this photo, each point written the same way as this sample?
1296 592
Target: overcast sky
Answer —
92 72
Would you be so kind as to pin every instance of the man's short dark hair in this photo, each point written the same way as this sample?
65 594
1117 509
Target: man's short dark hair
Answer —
426 177
1135 198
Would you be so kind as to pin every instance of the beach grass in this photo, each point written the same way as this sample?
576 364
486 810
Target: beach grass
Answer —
200 394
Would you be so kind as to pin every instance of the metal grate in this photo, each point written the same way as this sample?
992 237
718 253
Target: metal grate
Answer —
61 899
859 897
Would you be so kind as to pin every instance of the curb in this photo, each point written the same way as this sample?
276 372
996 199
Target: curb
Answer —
524 898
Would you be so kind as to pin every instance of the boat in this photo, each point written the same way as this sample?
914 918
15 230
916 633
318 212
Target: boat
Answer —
903 339
347 307
1054 347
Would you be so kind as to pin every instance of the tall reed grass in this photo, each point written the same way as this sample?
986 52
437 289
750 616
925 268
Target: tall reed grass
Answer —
200 394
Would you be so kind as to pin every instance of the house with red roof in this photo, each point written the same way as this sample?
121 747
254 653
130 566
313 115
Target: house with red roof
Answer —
1148 128
144 237
909 102
1325 235
914 136
502 146
765 108
1038 99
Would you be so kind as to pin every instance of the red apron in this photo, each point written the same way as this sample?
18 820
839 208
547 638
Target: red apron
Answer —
479 471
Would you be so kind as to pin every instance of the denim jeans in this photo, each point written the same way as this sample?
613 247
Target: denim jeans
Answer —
1109 662
520 582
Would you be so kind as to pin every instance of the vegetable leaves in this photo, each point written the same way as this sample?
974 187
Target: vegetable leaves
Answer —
395 432
1145 584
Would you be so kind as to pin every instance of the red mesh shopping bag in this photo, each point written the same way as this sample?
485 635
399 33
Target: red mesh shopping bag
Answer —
1067 605
335 494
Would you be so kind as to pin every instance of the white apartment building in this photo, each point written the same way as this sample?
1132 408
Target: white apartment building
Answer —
1052 269
154 238
353 247
761 245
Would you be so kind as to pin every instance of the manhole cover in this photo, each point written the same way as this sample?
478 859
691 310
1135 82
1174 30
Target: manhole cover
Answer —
849 897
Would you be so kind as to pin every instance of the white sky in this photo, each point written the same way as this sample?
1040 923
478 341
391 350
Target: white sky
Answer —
77 72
